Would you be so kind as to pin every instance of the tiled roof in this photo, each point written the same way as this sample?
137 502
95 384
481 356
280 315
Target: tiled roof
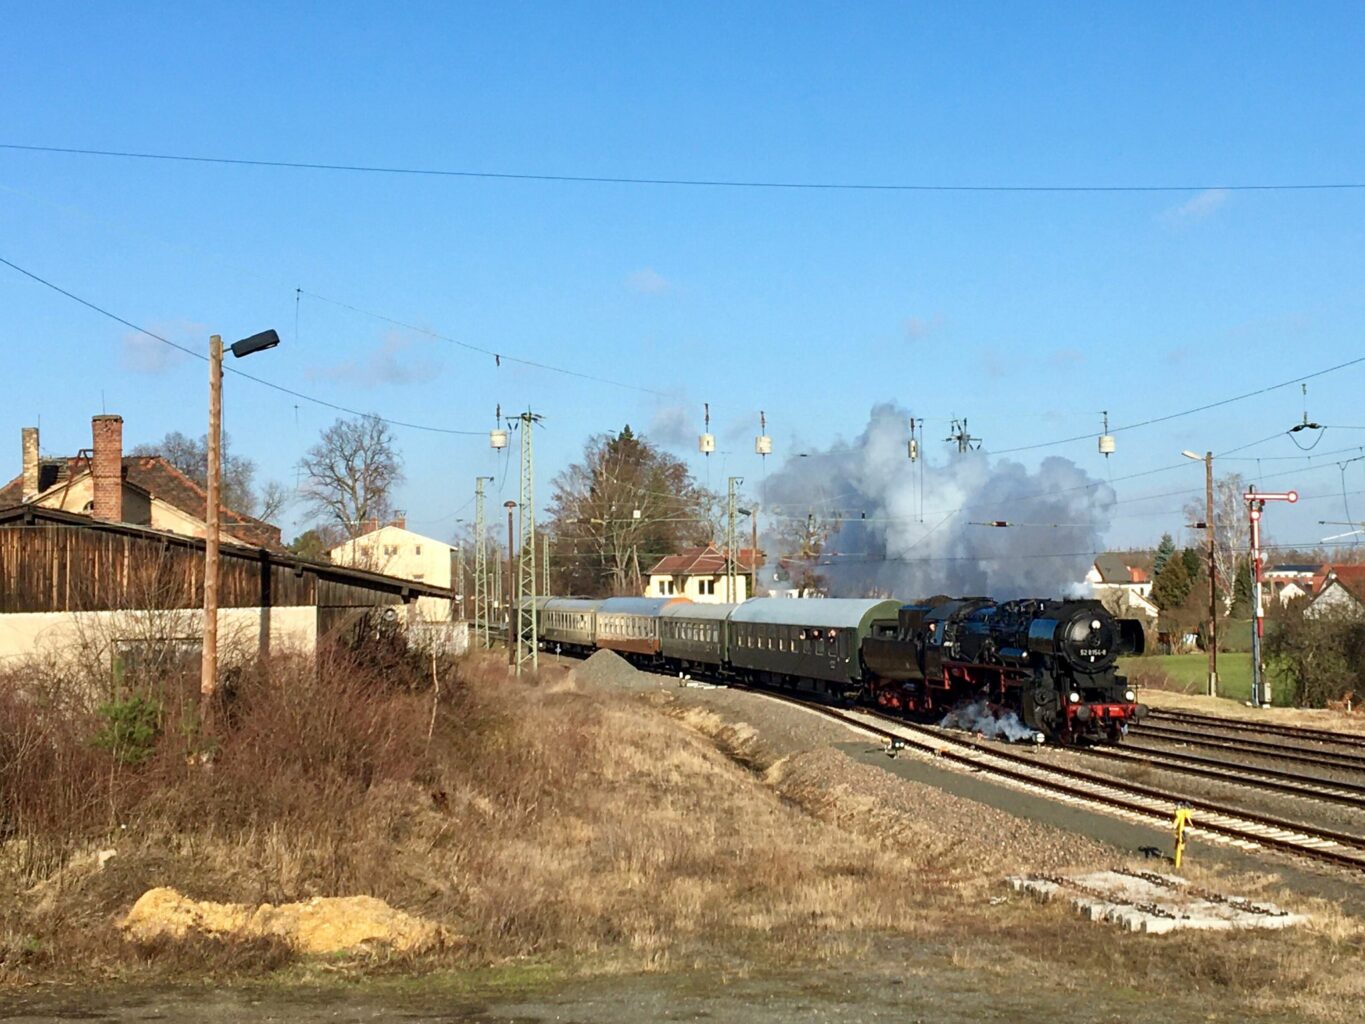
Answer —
1351 578
707 561
160 479
1113 569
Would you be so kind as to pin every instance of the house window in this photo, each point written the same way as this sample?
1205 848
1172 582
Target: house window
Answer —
417 550
706 586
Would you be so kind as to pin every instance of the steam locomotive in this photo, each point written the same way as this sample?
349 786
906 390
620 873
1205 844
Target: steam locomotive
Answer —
1052 663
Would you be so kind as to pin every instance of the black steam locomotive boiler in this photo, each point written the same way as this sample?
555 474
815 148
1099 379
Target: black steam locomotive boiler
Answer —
1051 662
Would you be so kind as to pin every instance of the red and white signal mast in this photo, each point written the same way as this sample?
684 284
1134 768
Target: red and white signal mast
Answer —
1260 688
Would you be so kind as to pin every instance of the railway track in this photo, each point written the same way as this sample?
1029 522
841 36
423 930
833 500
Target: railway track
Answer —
1351 794
1243 829
1301 732
1338 760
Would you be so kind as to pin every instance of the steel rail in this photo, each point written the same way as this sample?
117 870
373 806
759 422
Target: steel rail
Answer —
1311 788
1242 827
1270 728
1326 758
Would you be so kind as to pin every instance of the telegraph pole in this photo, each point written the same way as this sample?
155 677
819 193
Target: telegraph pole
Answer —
731 511
483 589
1213 575
208 677
528 634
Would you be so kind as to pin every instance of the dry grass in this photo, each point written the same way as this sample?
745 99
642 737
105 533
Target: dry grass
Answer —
540 821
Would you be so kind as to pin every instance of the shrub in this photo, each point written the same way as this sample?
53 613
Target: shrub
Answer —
130 728
1320 657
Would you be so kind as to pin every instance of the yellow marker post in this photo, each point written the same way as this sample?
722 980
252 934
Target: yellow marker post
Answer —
1183 816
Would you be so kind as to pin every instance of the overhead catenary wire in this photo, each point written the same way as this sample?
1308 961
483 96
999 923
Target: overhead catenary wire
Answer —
228 368
499 356
680 181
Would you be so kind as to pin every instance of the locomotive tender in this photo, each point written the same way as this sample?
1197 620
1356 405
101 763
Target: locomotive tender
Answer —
1050 662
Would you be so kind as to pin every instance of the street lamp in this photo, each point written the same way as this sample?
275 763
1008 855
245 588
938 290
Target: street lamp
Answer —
208 672
1212 643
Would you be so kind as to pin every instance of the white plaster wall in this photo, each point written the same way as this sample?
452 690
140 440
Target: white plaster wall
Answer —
398 552
76 634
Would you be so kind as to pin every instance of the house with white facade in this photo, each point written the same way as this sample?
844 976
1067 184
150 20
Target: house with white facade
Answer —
1285 583
700 573
1125 590
394 550
1342 590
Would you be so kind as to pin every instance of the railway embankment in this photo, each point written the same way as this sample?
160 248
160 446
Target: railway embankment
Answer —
594 839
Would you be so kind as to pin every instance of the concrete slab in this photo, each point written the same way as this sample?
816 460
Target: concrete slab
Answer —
1154 903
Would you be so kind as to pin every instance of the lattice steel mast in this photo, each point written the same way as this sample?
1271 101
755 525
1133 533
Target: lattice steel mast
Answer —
527 627
483 586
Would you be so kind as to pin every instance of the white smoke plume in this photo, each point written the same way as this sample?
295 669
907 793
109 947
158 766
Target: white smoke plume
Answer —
868 493
981 718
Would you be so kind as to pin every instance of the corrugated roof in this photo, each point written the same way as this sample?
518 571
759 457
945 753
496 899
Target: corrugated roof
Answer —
833 612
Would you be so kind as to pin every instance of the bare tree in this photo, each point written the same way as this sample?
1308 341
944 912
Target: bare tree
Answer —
1231 531
351 472
191 457
275 498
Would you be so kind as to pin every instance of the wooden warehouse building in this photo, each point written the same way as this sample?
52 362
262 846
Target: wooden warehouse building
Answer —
73 584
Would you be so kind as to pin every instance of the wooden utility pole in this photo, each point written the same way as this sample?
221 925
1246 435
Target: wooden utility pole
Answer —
208 677
1213 575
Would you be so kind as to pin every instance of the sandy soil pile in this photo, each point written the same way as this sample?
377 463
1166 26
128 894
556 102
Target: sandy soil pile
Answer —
320 925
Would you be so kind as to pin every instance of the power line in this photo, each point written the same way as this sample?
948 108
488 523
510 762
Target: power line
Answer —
1185 412
499 357
602 179
229 369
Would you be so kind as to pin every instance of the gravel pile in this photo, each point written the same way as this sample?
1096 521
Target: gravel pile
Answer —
607 670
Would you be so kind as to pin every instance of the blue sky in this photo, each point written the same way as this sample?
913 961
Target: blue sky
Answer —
1028 313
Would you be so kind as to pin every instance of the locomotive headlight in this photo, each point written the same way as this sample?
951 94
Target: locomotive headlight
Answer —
1094 623
1129 696
1074 697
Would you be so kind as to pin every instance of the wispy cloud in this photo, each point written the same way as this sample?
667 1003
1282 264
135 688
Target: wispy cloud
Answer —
142 354
396 361
1064 357
1199 207
672 426
918 327
648 281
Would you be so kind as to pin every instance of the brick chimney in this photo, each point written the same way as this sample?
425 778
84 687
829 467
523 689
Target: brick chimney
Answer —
107 467
30 491
400 521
